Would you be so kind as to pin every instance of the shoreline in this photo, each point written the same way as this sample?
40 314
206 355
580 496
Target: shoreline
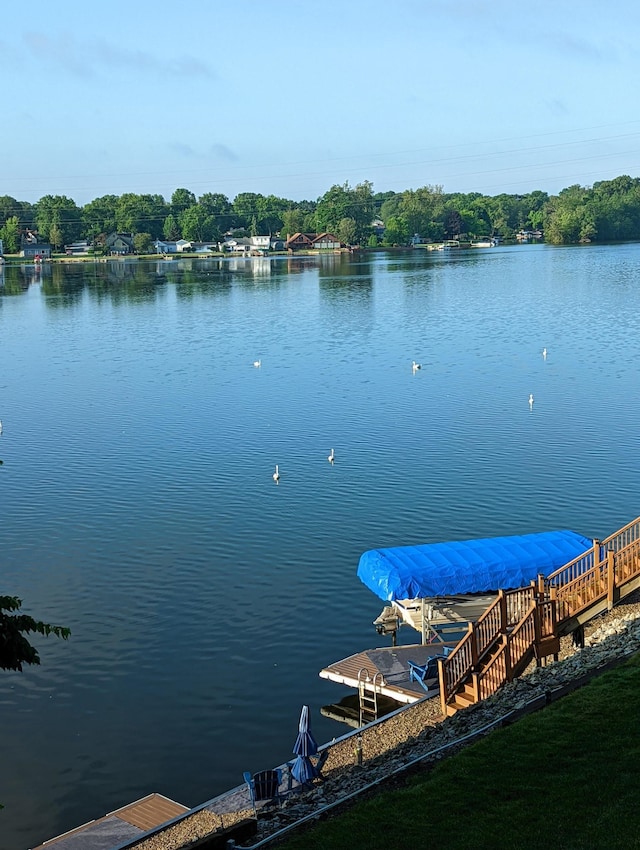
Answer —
417 736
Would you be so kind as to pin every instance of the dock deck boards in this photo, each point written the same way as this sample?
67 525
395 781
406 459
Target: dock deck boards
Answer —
392 663
118 826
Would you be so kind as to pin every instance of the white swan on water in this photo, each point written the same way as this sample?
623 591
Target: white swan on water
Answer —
530 399
544 353
257 363
415 366
276 474
331 457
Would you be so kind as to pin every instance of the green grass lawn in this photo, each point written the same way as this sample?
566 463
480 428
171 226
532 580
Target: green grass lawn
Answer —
565 778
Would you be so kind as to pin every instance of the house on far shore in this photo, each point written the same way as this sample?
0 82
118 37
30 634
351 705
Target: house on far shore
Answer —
312 241
251 245
119 243
171 246
77 249
32 249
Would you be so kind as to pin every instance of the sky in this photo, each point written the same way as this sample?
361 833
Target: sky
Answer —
292 98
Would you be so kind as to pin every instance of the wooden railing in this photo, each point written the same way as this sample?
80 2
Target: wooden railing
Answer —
524 623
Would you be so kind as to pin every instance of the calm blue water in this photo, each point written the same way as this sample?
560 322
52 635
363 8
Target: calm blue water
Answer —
137 503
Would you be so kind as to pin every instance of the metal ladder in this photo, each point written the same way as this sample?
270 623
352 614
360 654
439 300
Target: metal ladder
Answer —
368 690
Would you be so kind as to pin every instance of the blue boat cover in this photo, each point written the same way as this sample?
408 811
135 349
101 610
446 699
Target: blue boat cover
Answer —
467 566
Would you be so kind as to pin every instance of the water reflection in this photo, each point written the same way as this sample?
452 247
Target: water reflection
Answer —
138 504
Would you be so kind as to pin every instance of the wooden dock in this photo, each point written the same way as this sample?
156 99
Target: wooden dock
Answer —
386 669
119 826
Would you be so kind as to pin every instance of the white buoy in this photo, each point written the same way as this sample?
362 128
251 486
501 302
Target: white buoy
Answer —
331 457
276 475
530 399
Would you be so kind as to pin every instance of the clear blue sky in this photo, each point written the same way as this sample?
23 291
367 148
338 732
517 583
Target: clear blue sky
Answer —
290 98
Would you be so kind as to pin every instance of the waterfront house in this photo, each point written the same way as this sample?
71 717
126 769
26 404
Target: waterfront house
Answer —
246 244
119 243
164 247
76 249
299 241
31 248
326 242
313 241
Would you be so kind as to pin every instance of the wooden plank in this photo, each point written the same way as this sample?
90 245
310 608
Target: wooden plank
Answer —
151 811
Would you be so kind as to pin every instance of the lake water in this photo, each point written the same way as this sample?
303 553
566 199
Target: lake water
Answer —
137 503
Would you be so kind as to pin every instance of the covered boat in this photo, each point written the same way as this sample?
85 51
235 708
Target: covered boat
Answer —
428 584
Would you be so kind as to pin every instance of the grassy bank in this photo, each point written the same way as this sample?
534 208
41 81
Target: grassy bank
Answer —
566 777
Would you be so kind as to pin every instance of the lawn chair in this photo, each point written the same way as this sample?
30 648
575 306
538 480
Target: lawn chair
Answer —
322 757
425 673
264 787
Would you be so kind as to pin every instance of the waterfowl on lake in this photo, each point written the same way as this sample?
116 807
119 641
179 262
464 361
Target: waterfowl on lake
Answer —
415 366
257 363
331 457
276 474
530 399
544 353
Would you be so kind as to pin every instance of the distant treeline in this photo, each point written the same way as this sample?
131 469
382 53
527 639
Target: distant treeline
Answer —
607 211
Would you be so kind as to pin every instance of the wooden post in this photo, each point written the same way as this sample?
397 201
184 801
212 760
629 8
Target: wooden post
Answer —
473 642
537 633
442 680
503 611
475 683
540 586
507 658
596 552
611 579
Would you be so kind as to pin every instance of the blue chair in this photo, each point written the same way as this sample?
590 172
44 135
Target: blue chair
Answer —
322 757
425 673
264 787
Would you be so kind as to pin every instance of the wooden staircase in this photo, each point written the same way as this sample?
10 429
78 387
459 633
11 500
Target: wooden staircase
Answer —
526 624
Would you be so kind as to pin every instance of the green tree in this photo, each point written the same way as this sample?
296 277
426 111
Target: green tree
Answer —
396 231
141 214
347 230
194 224
9 208
10 235
181 200
219 212
171 228
60 212
142 242
56 236
99 217
15 649
293 221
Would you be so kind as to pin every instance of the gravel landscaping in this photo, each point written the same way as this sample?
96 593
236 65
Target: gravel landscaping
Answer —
418 730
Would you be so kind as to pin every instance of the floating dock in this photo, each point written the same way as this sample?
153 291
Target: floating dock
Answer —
116 828
385 671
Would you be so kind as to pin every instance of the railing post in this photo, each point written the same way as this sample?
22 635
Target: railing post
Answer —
596 552
442 679
611 579
503 611
537 633
507 658
473 645
475 684
540 586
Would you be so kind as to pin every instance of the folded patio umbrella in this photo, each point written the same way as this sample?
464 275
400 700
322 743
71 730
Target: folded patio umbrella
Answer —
305 744
303 770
